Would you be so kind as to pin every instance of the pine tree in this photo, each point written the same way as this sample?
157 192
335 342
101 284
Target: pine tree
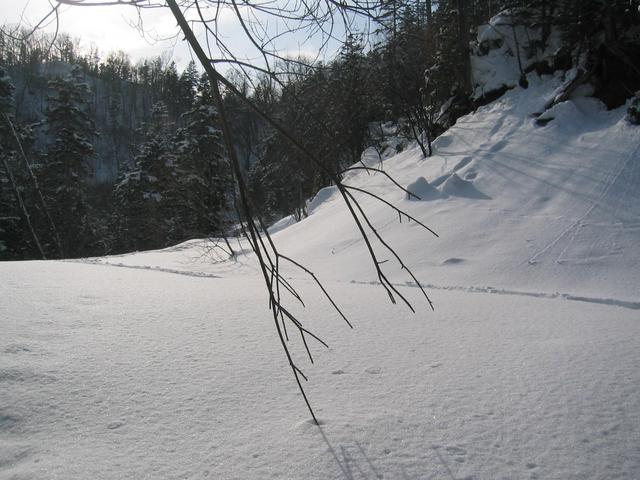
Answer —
170 88
66 166
147 195
279 186
188 85
349 99
204 179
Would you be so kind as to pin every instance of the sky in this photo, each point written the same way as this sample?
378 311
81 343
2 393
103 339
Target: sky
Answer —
108 27
113 28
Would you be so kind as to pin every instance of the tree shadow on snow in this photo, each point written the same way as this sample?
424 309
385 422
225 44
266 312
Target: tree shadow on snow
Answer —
354 463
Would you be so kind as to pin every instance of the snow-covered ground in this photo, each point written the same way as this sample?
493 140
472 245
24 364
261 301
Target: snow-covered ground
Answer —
167 365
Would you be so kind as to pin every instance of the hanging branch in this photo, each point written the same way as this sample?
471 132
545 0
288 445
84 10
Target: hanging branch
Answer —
386 245
393 207
267 261
315 279
267 254
314 17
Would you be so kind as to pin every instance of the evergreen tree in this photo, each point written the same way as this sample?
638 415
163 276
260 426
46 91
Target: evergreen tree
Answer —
188 86
349 100
278 185
64 173
203 90
204 179
147 195
171 91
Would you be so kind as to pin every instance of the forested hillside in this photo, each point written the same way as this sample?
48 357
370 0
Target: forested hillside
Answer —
106 150
94 145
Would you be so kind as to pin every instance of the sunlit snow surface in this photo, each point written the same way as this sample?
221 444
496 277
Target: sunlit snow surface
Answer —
167 365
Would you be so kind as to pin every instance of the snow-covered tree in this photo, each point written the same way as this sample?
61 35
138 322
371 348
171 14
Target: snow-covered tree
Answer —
20 219
188 85
147 194
633 112
64 172
204 179
349 97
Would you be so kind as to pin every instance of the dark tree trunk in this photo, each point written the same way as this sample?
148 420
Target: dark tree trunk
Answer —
463 45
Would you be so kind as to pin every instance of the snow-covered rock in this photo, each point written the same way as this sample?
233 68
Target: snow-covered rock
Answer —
505 47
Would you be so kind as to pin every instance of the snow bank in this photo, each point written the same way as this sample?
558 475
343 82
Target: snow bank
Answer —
422 189
324 195
457 187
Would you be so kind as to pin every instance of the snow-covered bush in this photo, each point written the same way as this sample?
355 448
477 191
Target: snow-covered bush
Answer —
633 112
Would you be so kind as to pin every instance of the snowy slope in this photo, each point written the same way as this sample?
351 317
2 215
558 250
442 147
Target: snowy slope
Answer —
551 210
546 209
166 364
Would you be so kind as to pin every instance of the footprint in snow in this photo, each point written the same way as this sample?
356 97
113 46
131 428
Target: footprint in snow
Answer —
7 422
27 376
456 451
453 261
17 348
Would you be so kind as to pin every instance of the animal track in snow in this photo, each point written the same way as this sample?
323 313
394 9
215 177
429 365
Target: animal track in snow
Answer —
17 348
7 422
613 302
452 261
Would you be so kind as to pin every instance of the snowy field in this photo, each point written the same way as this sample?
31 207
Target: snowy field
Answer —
167 365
